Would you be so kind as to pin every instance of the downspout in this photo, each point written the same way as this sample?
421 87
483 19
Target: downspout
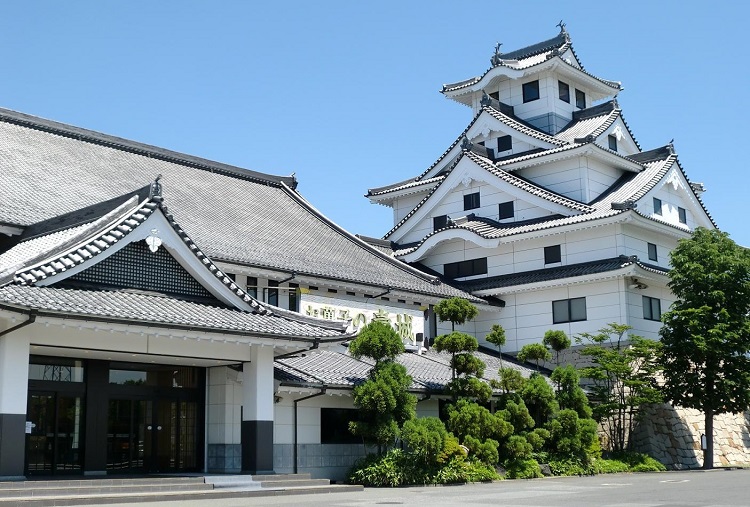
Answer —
322 392
289 354
30 320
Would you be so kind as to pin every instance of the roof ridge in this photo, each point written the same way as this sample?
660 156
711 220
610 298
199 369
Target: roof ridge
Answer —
138 148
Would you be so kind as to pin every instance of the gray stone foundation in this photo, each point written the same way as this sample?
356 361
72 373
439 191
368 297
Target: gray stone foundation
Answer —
224 458
330 461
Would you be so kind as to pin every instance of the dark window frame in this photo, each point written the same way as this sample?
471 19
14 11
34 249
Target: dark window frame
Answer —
552 254
567 306
251 286
563 91
653 252
472 201
273 293
439 222
651 308
658 206
530 91
504 143
580 99
612 140
682 214
505 210
334 425
461 269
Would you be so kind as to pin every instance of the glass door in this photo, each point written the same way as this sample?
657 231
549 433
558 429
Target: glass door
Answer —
152 435
54 435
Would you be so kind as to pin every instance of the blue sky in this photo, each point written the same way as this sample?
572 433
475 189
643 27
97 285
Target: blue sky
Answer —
346 94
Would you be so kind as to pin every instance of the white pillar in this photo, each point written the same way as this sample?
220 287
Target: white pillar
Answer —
257 413
14 381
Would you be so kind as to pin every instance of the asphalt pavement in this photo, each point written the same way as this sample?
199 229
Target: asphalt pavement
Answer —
716 488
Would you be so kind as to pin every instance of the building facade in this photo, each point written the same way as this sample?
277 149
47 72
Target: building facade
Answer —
147 298
547 202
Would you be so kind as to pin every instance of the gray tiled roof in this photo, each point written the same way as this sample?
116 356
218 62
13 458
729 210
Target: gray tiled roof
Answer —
629 189
557 273
148 309
334 367
235 215
529 57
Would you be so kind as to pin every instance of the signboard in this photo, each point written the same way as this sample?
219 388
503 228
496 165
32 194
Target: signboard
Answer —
406 321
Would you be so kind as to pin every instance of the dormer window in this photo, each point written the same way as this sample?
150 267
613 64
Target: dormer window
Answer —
580 99
612 142
657 206
439 222
471 201
563 91
530 91
505 210
504 143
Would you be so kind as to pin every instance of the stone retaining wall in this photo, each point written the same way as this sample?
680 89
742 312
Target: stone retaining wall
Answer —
673 436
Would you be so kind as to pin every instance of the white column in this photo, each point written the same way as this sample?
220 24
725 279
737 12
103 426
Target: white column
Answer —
14 381
257 413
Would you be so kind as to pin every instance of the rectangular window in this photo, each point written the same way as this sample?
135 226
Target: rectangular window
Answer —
552 254
471 201
294 297
531 91
651 308
612 143
252 287
273 293
657 206
580 99
683 215
466 268
563 91
504 143
56 369
334 426
653 255
568 310
439 222
505 210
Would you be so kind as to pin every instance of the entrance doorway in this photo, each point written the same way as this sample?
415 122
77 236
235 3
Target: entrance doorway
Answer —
54 437
151 435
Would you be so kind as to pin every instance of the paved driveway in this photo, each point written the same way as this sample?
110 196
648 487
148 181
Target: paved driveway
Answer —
718 488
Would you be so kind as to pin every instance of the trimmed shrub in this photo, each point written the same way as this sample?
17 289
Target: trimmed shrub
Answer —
522 469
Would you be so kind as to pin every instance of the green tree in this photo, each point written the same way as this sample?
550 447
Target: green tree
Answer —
456 311
383 400
539 398
511 380
706 333
496 336
556 340
534 352
622 378
426 437
378 341
570 395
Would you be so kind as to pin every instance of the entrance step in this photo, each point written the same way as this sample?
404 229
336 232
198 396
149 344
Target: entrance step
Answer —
44 493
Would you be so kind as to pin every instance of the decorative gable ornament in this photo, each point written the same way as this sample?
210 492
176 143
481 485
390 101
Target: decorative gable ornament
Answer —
153 241
675 180
617 132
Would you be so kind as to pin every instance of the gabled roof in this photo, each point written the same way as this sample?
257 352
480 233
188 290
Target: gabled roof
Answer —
33 270
336 368
512 179
237 216
631 187
530 56
587 124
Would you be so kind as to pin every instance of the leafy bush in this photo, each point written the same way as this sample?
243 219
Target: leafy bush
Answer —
399 468
569 466
426 437
485 452
522 469
452 448
609 466
460 470
516 448
639 462
537 438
